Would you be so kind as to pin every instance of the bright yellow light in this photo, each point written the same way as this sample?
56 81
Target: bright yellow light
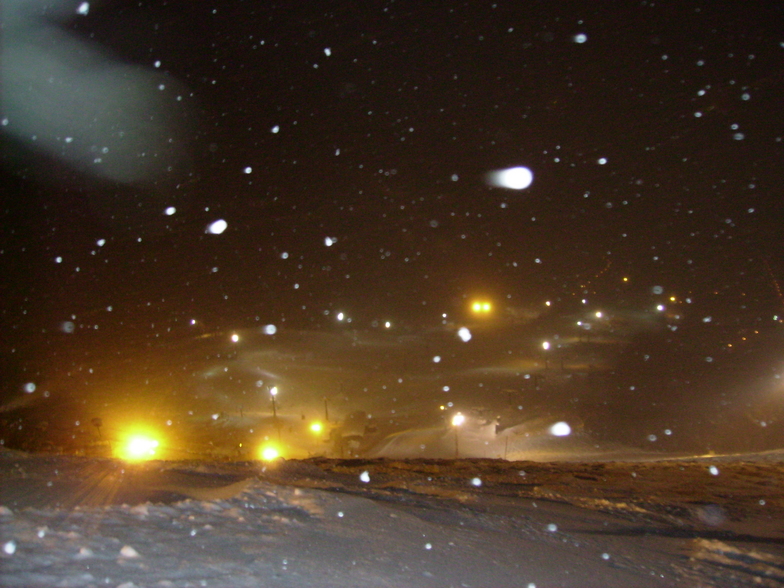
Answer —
138 447
316 427
268 453
481 307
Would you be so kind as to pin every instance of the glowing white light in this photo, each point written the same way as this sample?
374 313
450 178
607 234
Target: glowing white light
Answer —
387 325
458 419
476 482
464 334
235 337
598 314
545 345
364 477
340 316
330 241
436 358
270 329
327 51
217 227
9 547
514 178
560 429
248 170
601 160
713 470
580 38
84 8
170 210
29 387
274 390
552 527
275 129
269 453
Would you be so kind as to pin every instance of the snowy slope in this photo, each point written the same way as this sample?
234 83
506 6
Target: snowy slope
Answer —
85 522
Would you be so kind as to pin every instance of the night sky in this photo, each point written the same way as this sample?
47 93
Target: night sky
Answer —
347 147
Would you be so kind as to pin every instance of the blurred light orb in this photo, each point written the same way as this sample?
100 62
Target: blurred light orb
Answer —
464 334
139 447
316 427
560 429
580 38
269 453
514 178
270 329
217 227
235 338
481 307
458 419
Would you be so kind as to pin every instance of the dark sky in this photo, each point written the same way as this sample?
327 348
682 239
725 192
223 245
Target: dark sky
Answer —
656 146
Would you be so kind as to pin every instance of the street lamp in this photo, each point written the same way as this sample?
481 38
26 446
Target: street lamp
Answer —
457 420
273 394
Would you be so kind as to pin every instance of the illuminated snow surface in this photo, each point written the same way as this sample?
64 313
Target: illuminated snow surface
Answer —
71 521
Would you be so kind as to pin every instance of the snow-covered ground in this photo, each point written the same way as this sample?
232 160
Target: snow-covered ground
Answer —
73 521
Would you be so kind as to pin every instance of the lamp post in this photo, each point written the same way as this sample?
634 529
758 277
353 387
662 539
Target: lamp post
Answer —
457 420
273 394
545 348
